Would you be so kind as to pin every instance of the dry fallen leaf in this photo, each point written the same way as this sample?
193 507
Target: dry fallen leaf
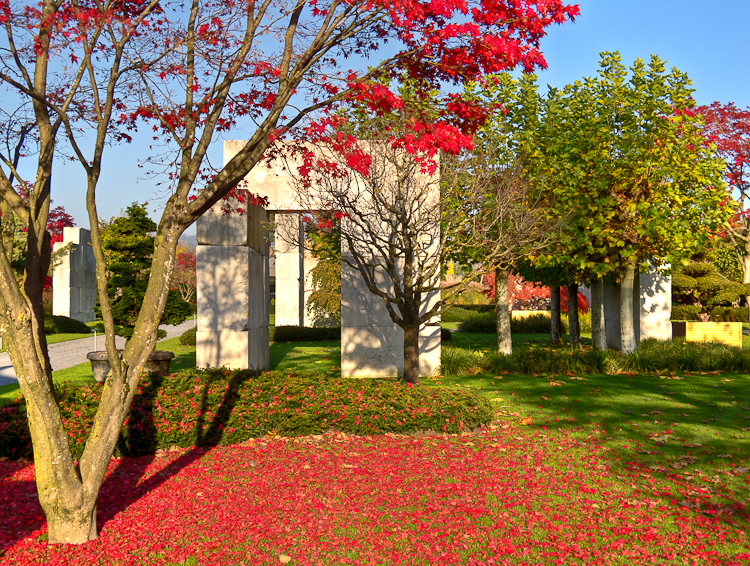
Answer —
284 559
525 421
555 383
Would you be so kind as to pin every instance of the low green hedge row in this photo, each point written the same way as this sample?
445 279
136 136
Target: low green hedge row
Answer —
650 356
199 408
532 324
54 324
303 334
718 314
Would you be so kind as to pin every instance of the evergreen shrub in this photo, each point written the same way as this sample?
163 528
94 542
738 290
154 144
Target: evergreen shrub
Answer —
304 333
54 324
188 338
207 408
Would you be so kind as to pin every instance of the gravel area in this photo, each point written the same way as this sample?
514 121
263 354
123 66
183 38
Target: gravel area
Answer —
73 352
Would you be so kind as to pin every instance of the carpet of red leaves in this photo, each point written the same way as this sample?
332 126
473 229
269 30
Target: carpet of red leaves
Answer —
513 496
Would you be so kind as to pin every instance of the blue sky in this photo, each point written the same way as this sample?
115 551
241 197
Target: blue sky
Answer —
707 40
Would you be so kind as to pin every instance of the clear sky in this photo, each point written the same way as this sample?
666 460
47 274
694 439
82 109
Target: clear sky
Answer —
709 40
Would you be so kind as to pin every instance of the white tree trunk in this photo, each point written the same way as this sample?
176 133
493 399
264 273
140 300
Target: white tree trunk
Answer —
627 332
504 340
598 329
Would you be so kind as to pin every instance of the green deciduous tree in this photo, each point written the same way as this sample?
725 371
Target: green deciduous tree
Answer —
632 172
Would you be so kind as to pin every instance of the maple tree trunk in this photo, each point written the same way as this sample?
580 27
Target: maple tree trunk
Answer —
598 328
411 353
574 328
627 332
502 312
556 334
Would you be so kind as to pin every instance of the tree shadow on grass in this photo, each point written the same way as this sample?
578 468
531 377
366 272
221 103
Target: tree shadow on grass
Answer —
125 485
653 425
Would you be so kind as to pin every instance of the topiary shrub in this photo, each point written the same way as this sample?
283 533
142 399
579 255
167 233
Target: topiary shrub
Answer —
188 338
304 334
700 284
239 405
54 324
445 334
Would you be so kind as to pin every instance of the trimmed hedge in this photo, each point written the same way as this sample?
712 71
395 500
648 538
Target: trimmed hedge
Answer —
303 334
207 408
718 314
188 338
54 324
532 324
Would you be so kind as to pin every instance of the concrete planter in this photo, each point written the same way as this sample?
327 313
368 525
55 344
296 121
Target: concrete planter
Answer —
693 331
158 362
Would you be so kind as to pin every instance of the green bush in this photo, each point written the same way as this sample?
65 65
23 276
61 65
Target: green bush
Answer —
680 355
445 334
533 324
730 314
718 314
188 338
54 324
528 360
458 314
304 334
206 408
480 324
685 312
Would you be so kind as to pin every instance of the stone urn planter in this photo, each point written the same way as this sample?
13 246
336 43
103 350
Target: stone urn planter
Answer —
158 362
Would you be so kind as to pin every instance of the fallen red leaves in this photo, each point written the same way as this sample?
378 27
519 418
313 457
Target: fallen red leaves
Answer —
508 497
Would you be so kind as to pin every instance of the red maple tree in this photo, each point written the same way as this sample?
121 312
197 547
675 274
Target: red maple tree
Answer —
728 127
91 72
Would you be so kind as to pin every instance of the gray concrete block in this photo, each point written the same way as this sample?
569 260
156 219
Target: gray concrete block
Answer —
74 279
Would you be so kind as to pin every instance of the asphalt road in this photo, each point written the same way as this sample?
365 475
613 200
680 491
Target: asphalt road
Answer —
73 352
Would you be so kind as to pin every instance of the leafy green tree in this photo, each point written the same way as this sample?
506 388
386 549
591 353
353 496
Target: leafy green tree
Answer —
128 242
324 238
503 166
632 174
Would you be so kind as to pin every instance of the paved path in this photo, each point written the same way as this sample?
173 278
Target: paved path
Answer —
68 354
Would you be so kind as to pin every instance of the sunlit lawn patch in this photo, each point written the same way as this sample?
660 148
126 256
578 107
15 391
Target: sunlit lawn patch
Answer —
514 496
314 356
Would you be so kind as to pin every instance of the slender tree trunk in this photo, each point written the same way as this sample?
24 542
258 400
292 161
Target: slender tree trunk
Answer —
502 312
598 329
627 332
411 353
556 335
574 328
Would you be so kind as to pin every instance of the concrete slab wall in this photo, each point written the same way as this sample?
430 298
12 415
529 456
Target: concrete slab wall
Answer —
652 309
232 290
74 279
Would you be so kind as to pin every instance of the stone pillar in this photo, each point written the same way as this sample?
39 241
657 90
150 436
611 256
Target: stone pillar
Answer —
74 278
233 289
652 298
